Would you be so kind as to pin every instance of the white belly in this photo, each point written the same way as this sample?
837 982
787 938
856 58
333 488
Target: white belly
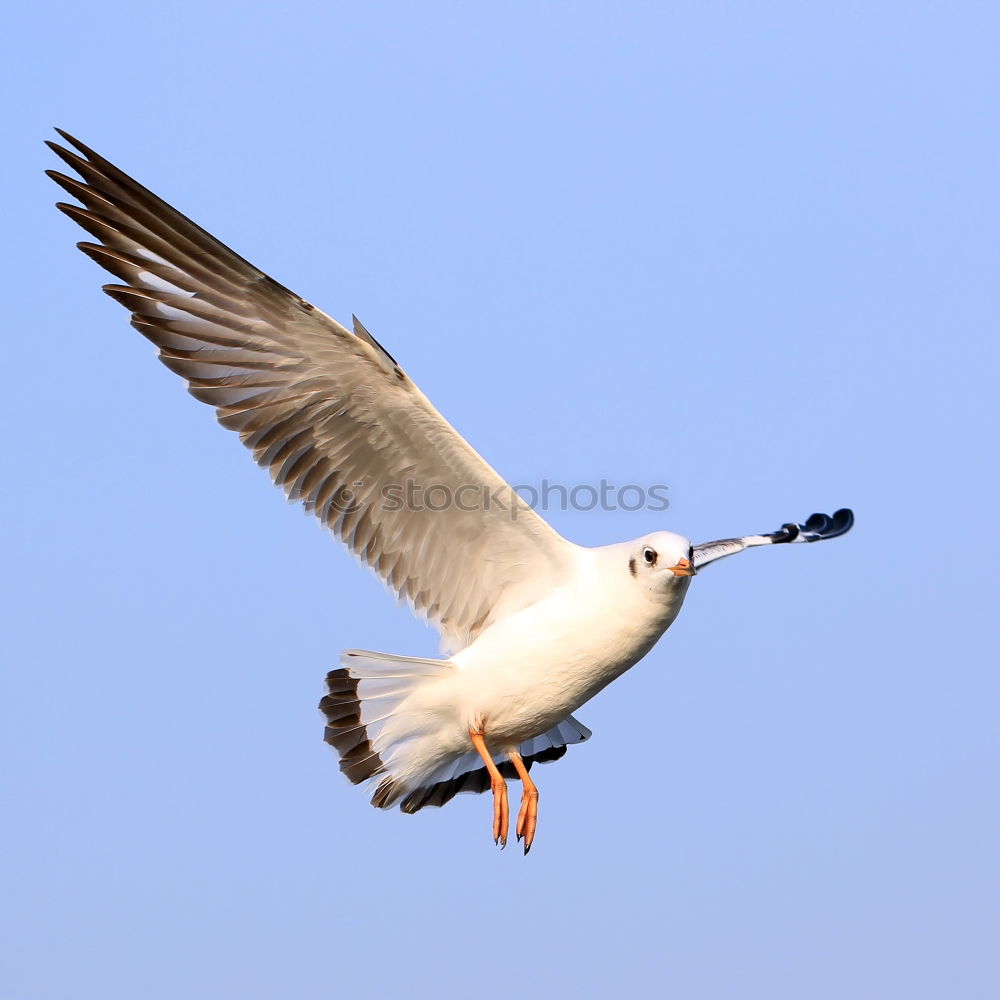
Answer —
528 672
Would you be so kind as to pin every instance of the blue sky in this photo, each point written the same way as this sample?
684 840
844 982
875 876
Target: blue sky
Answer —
746 250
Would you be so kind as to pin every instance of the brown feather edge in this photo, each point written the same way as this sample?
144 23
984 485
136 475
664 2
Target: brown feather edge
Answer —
344 729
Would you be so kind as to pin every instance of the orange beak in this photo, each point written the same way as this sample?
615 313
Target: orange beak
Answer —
683 568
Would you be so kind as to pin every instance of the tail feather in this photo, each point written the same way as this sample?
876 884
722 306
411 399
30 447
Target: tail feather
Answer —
367 694
361 696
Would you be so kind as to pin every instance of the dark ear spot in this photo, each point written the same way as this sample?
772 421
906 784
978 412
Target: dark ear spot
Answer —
631 566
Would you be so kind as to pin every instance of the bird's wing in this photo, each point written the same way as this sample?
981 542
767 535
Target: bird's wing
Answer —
327 411
817 528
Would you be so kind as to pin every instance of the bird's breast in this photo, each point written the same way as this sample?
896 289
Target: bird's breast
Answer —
529 671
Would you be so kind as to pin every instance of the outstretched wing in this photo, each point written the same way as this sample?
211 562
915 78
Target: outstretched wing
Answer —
327 411
817 528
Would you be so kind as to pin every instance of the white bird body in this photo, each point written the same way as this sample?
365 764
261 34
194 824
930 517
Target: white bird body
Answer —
533 625
527 672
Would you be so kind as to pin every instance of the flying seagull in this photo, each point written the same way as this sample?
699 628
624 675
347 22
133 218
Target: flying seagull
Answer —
531 625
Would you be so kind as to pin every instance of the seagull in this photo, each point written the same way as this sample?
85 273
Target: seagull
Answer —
532 625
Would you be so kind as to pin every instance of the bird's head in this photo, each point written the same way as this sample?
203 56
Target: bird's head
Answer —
661 559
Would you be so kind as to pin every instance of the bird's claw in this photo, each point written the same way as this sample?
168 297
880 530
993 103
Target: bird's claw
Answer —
527 818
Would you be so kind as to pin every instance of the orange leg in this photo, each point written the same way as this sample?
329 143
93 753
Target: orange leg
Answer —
501 816
527 818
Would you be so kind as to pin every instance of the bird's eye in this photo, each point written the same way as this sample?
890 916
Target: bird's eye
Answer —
649 555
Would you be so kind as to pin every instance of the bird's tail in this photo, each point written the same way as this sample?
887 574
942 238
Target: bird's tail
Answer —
378 728
364 720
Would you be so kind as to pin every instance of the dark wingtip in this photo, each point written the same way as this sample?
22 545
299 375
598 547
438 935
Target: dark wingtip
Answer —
75 143
820 527
817 528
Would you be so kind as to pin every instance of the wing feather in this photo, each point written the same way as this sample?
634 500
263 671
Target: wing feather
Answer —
326 410
817 528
